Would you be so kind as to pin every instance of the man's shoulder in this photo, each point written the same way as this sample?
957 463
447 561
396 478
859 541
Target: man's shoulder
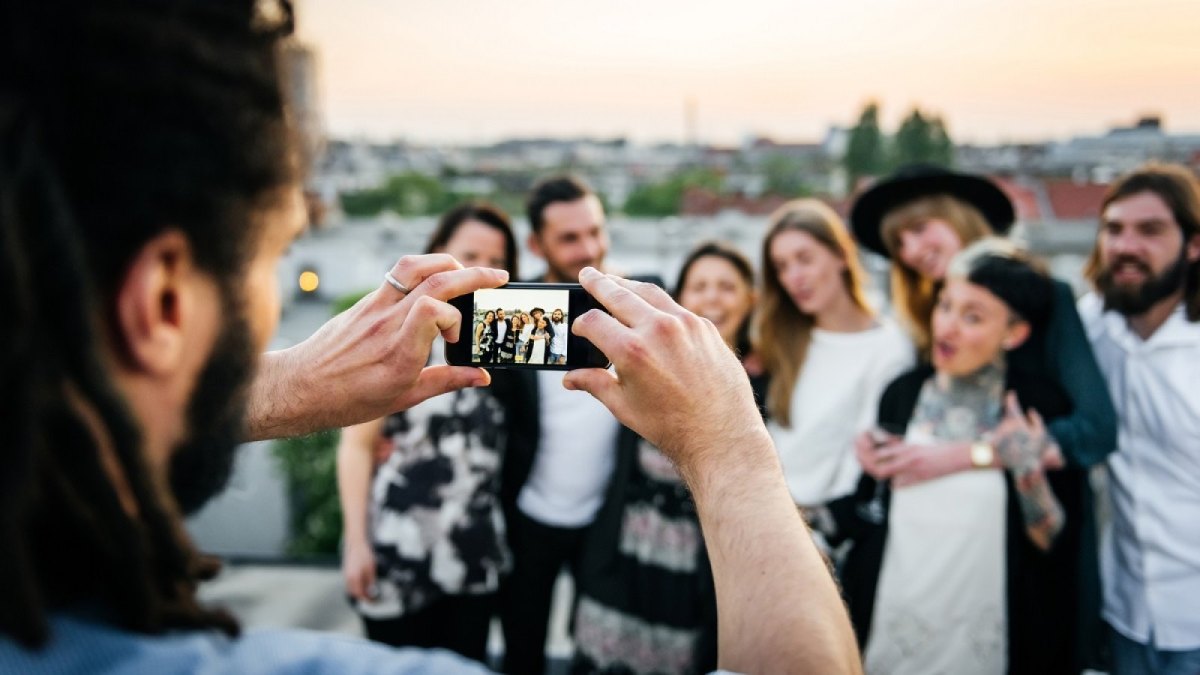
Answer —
78 645
1091 313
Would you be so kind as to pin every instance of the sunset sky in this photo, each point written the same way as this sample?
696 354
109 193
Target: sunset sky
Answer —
477 70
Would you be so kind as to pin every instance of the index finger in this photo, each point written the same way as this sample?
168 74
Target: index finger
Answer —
651 293
624 304
451 283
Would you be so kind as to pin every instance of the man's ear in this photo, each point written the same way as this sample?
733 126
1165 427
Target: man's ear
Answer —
1018 333
1193 248
151 303
534 242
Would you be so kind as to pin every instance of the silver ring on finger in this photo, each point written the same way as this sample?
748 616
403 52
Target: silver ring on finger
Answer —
395 283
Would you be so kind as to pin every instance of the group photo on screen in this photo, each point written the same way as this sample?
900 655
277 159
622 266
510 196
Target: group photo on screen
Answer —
515 326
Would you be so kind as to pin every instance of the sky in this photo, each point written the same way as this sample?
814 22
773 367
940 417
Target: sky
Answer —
997 70
512 298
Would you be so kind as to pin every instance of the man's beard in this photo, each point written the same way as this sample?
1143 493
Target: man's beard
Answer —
202 464
1136 300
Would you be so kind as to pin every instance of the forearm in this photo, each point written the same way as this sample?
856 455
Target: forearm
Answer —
1043 514
778 607
281 402
354 468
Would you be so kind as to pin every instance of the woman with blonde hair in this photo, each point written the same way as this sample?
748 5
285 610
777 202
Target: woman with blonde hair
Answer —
828 354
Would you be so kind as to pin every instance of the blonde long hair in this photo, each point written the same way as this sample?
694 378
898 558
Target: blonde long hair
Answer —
914 296
784 332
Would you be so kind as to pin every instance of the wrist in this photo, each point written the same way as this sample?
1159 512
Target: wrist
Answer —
981 454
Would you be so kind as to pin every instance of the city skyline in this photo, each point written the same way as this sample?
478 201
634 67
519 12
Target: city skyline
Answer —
474 72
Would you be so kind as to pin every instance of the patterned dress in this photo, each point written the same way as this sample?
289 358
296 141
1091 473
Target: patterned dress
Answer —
436 523
646 601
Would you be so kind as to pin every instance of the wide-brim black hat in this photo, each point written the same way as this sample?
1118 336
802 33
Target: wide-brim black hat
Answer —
921 180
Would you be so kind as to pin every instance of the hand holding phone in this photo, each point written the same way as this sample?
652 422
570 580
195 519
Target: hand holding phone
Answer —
524 325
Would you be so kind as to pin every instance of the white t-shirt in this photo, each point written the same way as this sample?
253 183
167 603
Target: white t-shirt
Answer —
501 329
835 398
574 459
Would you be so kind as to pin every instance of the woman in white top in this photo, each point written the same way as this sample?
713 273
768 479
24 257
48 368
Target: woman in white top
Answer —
828 354
523 336
538 341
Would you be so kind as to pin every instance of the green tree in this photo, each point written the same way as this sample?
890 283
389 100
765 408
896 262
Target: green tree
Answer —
866 154
408 194
923 139
665 197
784 176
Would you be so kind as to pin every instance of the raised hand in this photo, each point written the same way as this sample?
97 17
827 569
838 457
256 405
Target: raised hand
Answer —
1022 444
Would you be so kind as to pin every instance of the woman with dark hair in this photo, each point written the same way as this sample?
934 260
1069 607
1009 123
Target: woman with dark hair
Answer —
828 354
977 571
920 218
485 338
425 546
646 600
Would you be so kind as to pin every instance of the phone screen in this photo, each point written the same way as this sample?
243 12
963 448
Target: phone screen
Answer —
524 326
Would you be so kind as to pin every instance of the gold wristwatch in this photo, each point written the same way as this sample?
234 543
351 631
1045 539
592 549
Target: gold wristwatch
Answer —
982 455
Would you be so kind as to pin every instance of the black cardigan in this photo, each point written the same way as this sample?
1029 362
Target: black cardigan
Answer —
1050 623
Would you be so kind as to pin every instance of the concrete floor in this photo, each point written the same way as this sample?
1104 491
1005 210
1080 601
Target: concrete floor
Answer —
313 597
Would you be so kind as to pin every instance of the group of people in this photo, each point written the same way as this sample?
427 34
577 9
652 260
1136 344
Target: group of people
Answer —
528 337
939 458
939 453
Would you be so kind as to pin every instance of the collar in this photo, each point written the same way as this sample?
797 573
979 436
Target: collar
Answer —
1176 331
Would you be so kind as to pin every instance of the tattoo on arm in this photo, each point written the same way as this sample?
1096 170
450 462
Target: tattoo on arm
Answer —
1044 517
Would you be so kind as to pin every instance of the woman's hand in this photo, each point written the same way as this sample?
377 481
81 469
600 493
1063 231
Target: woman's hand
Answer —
1021 441
866 449
910 464
358 569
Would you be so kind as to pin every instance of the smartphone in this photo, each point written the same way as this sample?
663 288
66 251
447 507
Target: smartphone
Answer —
524 325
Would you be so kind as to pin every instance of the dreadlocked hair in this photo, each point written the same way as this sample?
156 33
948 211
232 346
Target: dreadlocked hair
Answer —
119 119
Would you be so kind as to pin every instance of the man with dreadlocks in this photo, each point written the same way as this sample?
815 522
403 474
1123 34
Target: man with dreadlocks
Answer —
147 193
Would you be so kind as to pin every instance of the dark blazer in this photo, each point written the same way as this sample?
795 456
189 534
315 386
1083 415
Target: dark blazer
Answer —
1052 627
506 348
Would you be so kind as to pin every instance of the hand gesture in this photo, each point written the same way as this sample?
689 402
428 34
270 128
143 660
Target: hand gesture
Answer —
1021 440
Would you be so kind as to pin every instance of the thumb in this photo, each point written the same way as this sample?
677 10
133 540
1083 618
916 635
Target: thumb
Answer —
602 384
437 380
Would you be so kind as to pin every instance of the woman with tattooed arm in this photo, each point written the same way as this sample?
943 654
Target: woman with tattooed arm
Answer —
975 571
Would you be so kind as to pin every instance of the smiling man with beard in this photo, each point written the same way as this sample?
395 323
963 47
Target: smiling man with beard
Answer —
1144 325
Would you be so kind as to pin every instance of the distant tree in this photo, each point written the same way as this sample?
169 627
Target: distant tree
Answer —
784 176
923 139
408 194
943 147
665 197
866 154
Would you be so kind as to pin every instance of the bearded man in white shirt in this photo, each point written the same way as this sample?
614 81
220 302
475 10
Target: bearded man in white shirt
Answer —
1144 325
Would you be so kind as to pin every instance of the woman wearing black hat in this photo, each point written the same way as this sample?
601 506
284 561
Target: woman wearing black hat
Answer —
920 218
974 572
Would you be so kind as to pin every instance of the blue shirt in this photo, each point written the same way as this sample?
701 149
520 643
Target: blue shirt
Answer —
79 645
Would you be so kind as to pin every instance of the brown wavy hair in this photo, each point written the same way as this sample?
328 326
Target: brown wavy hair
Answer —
784 332
914 296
